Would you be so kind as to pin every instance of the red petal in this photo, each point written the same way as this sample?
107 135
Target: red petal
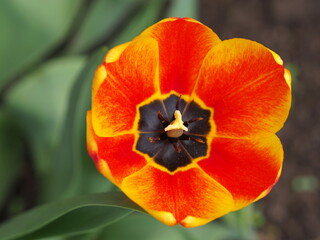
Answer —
246 87
131 78
246 168
113 156
189 197
183 44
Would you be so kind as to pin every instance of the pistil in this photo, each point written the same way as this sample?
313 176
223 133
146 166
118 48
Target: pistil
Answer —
176 127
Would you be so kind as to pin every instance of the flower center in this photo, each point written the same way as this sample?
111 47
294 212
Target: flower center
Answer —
173 131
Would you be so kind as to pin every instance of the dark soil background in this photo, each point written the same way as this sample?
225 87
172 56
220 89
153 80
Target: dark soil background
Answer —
292 29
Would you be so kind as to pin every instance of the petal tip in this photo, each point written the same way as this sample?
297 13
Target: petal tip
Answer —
114 53
172 19
287 77
268 190
287 74
164 217
99 76
276 57
190 222
91 143
104 169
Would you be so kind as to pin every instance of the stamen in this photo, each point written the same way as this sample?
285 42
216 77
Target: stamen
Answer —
161 118
194 120
176 147
199 140
154 139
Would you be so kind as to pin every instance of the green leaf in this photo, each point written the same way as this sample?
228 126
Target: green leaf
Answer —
212 230
146 16
69 216
29 30
141 226
183 8
39 103
10 153
241 223
305 183
73 172
146 227
101 20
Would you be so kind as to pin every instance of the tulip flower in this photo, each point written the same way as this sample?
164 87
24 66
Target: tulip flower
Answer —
185 124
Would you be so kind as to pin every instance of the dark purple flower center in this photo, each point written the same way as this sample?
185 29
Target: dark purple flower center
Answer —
175 148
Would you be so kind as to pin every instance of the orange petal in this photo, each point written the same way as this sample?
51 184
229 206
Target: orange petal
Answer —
190 197
113 156
245 167
91 142
242 81
183 44
101 72
130 80
114 53
99 76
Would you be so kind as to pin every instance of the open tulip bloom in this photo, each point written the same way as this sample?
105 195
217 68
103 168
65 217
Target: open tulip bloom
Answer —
185 124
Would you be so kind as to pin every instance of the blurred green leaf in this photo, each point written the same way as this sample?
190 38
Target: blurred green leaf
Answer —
29 30
237 225
213 230
183 8
39 104
11 154
306 183
101 20
92 235
146 16
73 171
140 226
241 224
69 216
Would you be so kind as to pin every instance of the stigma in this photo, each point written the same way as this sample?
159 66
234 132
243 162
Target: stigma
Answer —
176 127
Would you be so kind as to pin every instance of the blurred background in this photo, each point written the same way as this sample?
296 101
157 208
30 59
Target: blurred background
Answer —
49 50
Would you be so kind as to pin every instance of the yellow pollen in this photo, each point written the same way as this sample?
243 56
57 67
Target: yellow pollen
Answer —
176 127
